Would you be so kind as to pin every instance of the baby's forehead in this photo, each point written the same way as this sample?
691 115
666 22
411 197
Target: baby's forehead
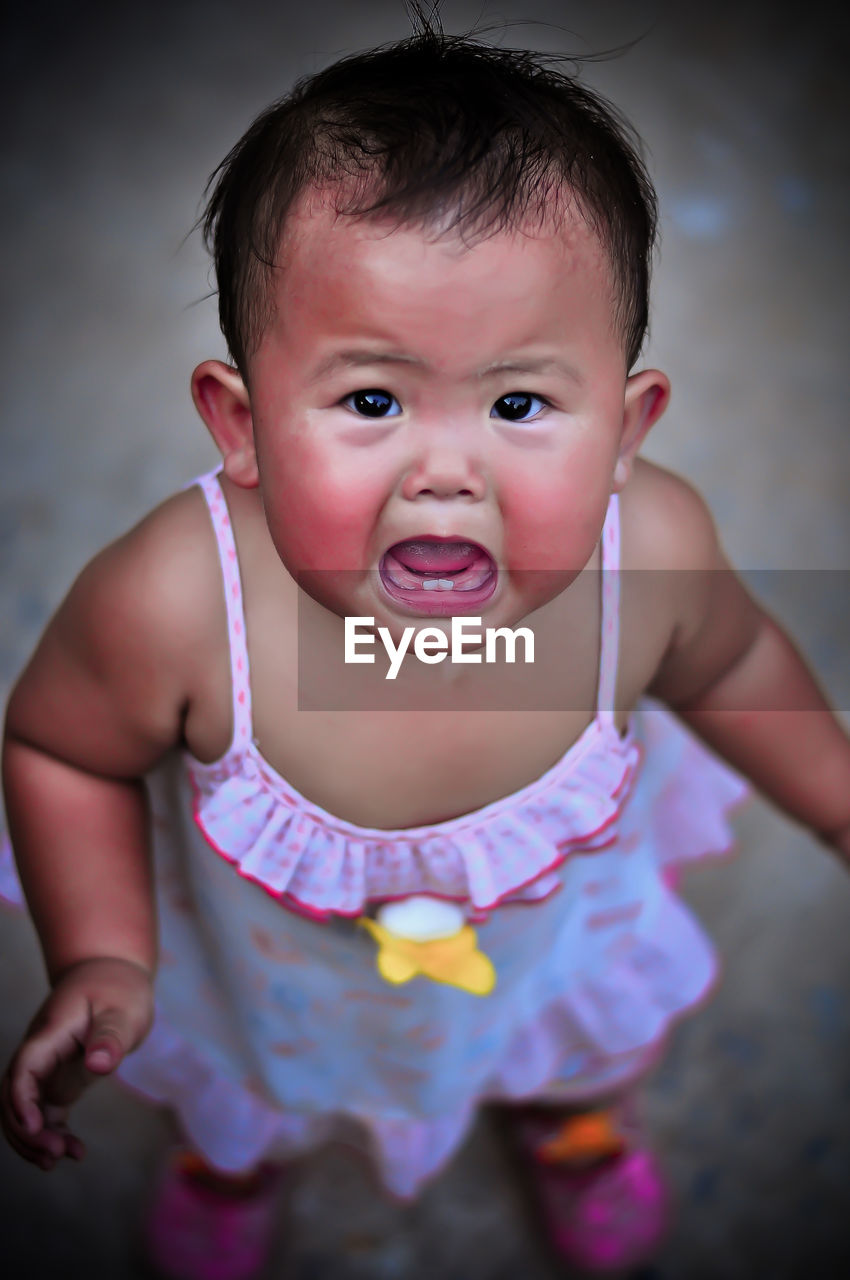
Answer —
316 232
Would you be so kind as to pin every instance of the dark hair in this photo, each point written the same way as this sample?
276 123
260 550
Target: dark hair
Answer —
431 126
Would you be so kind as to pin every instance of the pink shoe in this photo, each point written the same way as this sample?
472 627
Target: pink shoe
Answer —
605 1219
195 1231
605 1216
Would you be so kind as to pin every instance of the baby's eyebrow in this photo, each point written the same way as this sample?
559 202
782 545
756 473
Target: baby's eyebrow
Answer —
358 357
533 364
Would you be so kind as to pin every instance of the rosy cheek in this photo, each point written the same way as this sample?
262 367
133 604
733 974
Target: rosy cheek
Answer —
546 532
308 537
321 513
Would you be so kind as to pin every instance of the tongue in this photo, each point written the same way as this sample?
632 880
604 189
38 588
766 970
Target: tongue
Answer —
422 556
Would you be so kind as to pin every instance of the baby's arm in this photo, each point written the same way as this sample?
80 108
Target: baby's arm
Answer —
101 700
733 674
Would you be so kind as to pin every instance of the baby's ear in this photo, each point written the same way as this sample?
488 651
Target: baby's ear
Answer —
647 396
221 399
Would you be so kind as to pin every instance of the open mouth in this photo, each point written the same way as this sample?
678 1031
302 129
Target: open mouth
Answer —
438 576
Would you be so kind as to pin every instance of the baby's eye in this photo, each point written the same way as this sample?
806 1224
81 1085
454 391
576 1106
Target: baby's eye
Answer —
373 404
517 406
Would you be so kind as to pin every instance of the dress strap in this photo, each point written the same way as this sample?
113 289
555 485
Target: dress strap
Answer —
239 671
610 624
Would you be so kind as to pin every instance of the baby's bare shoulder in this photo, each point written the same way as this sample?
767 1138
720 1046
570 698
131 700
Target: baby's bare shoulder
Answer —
162 575
666 523
707 615
109 683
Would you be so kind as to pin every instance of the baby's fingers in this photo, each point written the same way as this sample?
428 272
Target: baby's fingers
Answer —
47 1147
34 1062
24 1100
56 1140
18 1121
42 1141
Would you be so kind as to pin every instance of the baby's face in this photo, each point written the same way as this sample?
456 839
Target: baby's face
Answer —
437 427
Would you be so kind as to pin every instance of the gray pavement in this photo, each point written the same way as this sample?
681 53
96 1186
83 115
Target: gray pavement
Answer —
116 115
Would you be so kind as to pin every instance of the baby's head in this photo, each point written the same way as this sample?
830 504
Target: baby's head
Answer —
433 265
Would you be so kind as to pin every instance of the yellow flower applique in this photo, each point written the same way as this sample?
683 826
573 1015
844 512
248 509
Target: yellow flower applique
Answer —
428 937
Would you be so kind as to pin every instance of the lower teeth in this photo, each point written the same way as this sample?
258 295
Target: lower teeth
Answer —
445 584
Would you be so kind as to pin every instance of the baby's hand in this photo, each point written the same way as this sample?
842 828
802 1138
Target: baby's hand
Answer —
97 1012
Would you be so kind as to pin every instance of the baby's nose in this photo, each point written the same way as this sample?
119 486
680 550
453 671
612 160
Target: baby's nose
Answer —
445 471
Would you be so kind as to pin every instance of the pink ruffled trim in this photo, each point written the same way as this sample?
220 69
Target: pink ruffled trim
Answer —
320 865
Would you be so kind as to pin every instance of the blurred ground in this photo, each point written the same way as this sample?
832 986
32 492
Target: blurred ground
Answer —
115 117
